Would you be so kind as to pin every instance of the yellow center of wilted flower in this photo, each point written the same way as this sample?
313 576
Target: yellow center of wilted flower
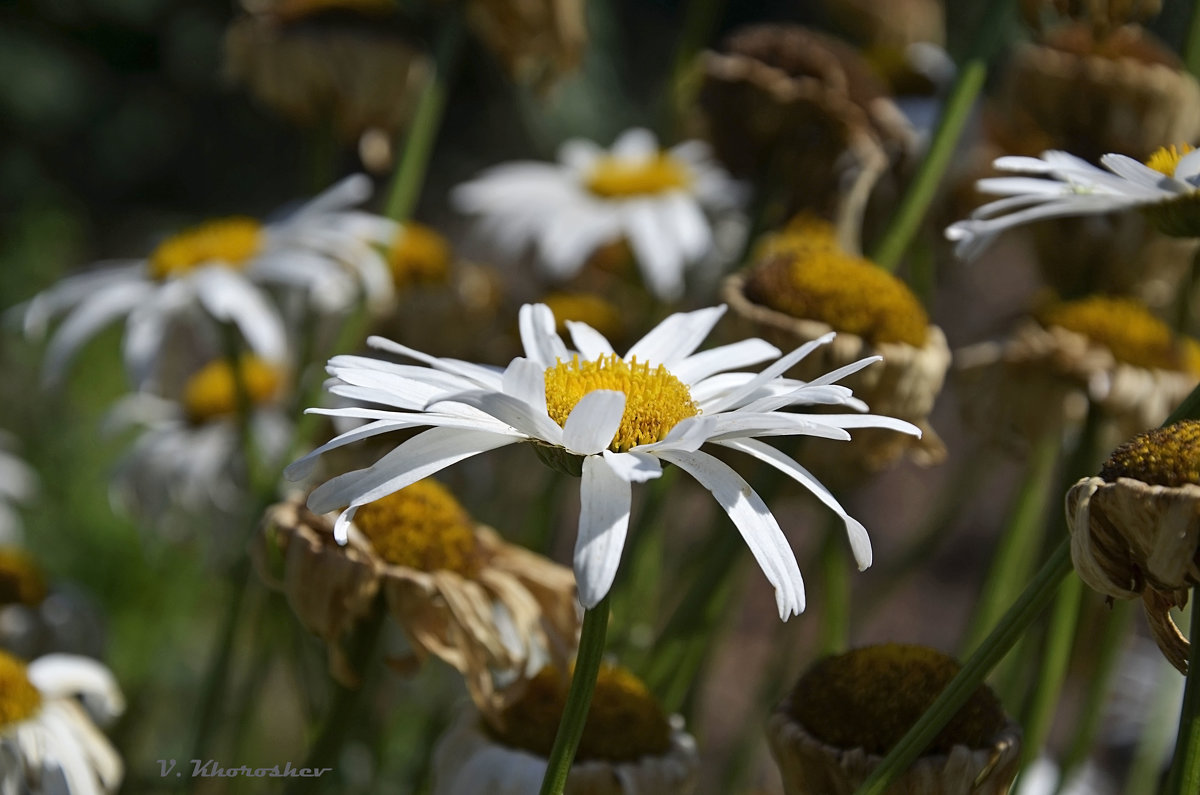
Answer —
850 294
227 241
1167 456
1126 328
623 724
804 233
19 699
213 391
655 400
870 697
21 581
419 256
600 314
614 178
1166 158
421 527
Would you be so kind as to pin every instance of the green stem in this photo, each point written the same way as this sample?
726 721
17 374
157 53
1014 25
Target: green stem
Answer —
1145 771
1019 541
1191 46
1053 671
920 192
1185 767
218 670
422 133
579 698
1029 605
835 593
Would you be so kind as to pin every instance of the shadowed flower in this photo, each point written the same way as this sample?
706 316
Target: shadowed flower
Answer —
849 710
1135 528
18 483
49 743
1166 187
613 420
215 273
654 199
459 592
36 619
628 745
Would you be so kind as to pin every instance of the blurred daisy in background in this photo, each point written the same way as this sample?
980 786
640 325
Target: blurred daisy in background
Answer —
49 742
1166 186
612 420
657 200
18 483
216 273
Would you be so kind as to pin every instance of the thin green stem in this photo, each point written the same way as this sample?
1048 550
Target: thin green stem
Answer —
418 143
835 593
957 110
579 698
1029 605
1191 46
1185 767
1060 639
215 680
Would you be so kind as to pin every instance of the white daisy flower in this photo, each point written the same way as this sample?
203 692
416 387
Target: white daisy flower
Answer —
1167 187
49 742
216 272
615 419
654 199
18 483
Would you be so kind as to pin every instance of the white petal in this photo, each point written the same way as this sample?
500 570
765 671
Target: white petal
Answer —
636 143
604 498
542 343
1135 172
526 381
734 396
676 337
1188 167
74 675
754 521
633 466
509 410
92 314
483 375
658 254
701 365
228 296
594 421
589 342
860 542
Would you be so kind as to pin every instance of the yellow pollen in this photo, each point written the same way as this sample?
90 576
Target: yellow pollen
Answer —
212 392
19 699
1167 456
655 400
805 233
21 581
1126 328
419 256
623 724
850 294
614 178
870 697
600 314
421 527
1166 158
227 241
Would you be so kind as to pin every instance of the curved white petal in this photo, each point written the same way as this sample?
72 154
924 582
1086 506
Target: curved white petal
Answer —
541 342
594 421
510 410
604 498
633 466
701 365
92 314
590 343
676 337
228 296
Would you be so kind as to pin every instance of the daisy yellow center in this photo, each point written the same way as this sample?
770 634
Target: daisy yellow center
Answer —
213 391
21 581
1126 328
19 699
1166 158
615 178
655 400
600 314
850 294
1167 456
419 256
421 527
870 697
804 233
623 724
227 241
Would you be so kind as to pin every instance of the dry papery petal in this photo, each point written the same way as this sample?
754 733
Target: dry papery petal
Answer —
1131 539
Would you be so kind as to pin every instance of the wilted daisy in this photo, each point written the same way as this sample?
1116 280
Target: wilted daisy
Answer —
1166 187
488 608
629 745
613 420
49 742
215 273
655 199
18 482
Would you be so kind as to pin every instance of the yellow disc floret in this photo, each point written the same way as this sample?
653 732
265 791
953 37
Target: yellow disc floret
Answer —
419 256
1166 158
1126 328
655 400
871 697
616 178
421 527
21 581
850 294
227 241
623 724
1167 456
213 391
804 233
19 699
